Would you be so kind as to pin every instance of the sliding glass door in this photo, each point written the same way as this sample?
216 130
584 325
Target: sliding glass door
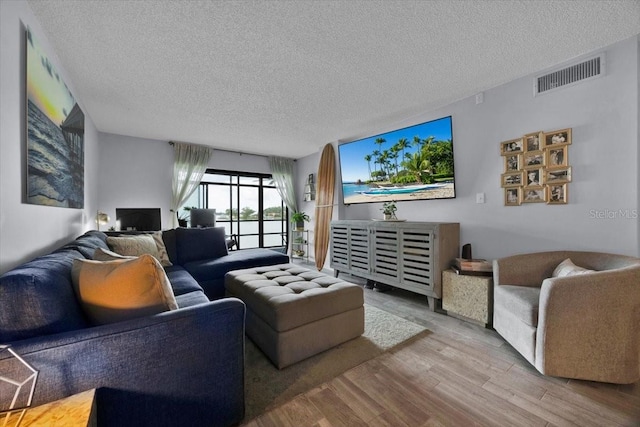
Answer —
247 205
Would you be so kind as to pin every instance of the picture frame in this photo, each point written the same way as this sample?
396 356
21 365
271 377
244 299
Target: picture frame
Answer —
54 125
557 194
534 195
512 179
557 137
533 159
510 147
533 141
556 156
512 162
533 177
513 196
559 175
536 168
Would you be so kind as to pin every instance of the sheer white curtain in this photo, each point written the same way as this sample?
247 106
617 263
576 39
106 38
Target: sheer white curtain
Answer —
189 166
282 171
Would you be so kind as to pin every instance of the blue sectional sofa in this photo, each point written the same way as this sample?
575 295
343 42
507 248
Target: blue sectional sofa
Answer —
179 367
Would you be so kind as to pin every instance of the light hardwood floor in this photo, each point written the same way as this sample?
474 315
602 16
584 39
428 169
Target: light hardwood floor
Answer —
458 375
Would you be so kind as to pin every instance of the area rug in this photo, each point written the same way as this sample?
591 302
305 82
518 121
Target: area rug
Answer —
266 387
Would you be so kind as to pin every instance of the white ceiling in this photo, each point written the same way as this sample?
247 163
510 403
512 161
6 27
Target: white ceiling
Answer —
286 77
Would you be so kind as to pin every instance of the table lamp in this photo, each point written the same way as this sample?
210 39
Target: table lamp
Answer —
102 218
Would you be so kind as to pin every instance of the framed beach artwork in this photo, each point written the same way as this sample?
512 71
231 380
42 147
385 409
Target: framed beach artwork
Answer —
55 134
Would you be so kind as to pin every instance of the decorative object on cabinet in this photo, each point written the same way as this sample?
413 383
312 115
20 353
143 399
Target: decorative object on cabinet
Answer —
536 168
389 210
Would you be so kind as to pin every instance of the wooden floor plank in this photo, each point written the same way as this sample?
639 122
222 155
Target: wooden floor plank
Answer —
336 411
363 405
459 374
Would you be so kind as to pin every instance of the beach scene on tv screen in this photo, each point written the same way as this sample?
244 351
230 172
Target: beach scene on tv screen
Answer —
413 163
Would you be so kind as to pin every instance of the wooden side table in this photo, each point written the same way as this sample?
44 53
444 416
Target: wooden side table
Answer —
469 298
78 410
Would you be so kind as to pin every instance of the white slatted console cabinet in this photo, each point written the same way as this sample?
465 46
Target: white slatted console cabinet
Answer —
408 255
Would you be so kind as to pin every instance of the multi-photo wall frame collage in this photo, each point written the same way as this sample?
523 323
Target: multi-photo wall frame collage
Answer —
536 168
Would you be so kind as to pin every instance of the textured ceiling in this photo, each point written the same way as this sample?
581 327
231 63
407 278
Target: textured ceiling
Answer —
286 77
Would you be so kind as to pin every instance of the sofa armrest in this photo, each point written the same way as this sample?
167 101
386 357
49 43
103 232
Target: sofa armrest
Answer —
182 367
589 323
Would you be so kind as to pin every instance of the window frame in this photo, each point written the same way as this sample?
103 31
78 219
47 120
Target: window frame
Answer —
235 184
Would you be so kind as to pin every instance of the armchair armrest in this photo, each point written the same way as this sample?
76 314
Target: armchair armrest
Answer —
182 367
527 269
589 323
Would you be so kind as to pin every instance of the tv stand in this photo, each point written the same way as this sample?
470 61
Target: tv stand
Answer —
408 255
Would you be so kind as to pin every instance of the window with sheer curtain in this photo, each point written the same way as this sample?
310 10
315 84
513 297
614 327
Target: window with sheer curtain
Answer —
248 205
189 165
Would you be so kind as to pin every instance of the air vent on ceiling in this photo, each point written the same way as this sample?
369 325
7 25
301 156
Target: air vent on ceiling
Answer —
585 70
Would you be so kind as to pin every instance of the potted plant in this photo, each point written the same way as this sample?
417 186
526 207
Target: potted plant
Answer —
389 210
299 218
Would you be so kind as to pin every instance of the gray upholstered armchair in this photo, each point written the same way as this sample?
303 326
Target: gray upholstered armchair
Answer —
584 326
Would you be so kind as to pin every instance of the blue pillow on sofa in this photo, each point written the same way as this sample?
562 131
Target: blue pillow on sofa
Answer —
37 298
193 244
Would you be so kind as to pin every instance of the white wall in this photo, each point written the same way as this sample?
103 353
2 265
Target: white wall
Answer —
604 157
137 173
28 230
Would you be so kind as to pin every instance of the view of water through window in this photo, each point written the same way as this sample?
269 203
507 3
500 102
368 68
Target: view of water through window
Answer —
247 206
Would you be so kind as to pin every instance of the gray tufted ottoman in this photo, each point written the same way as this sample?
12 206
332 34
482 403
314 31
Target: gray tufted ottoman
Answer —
294 313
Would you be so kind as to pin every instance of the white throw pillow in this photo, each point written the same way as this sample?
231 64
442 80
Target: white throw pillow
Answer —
568 268
151 244
101 254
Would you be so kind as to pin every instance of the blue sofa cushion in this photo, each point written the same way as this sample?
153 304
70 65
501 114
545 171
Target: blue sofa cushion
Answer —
88 243
38 299
210 272
169 239
191 298
181 281
194 244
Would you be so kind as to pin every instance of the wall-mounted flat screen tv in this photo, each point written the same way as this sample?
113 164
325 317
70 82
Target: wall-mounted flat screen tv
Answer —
413 163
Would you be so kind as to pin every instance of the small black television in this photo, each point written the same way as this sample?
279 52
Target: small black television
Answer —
138 219
203 217
412 163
